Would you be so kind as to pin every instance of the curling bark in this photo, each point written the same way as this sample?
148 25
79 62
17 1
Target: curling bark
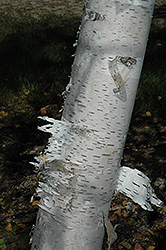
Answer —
86 146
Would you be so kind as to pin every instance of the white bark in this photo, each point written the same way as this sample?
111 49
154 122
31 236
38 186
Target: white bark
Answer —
136 185
86 146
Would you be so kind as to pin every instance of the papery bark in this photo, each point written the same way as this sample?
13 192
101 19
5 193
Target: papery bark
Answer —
86 146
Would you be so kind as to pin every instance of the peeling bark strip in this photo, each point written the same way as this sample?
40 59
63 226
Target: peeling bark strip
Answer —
116 75
120 69
85 148
112 236
136 185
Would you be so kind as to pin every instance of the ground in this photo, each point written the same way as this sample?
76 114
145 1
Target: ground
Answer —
145 150
136 228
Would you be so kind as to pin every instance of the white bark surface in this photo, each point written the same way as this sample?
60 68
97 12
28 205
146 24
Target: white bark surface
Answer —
136 185
86 146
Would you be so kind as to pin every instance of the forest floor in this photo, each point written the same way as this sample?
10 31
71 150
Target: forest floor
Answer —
137 229
20 140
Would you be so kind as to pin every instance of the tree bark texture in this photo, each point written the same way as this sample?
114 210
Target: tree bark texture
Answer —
85 149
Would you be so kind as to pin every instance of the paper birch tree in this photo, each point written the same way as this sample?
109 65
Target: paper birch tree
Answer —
85 149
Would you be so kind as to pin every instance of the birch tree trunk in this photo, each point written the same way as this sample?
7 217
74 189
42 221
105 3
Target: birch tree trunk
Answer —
86 146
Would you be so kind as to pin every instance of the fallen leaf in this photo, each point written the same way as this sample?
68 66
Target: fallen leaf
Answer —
124 203
164 208
33 183
2 107
138 236
2 202
3 214
151 232
147 232
44 110
3 113
9 227
127 222
138 247
125 214
147 127
17 125
10 211
125 244
162 128
148 114
151 248
22 227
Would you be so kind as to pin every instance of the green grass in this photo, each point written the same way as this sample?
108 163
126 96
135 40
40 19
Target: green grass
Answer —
35 59
151 95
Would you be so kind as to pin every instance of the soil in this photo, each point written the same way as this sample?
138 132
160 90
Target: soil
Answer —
136 228
145 150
